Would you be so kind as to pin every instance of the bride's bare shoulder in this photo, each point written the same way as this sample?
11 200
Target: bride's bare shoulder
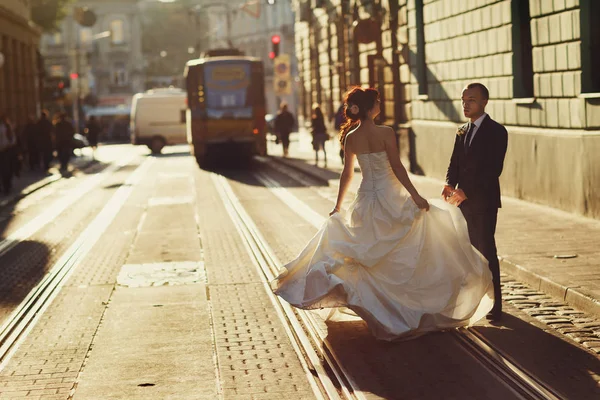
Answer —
385 130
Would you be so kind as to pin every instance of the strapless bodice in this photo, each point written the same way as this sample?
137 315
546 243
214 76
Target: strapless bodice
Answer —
376 171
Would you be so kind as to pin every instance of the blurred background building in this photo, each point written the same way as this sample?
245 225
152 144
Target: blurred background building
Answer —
254 24
107 69
539 58
19 61
172 33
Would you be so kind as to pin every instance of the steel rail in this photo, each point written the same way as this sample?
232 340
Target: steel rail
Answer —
506 370
59 206
305 337
25 316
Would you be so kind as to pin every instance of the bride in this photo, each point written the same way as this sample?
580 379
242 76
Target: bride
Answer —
403 265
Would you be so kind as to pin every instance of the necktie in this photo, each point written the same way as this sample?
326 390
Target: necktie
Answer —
468 135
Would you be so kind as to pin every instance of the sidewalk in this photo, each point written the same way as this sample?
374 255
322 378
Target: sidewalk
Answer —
553 251
30 181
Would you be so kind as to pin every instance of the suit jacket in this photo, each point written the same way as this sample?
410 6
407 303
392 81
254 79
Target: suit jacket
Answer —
476 170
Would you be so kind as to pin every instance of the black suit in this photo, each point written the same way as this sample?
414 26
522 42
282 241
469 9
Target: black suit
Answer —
476 170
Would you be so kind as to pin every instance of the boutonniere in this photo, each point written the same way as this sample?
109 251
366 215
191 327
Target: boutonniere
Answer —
462 129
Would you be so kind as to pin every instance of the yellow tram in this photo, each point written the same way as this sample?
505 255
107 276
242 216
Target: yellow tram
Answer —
225 106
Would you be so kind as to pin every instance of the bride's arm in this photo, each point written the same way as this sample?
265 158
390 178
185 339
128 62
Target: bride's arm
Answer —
345 177
393 154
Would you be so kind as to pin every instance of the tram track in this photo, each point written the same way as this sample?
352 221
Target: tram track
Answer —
308 343
24 317
58 207
522 383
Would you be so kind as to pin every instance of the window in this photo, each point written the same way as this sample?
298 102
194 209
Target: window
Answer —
522 50
117 29
55 39
421 64
590 46
85 36
119 74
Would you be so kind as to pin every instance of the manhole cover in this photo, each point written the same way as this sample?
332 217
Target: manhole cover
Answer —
160 274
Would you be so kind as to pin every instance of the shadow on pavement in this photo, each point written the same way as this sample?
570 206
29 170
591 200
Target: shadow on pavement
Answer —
244 172
395 370
21 270
173 154
433 366
569 369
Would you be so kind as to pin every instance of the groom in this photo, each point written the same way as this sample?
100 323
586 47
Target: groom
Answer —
472 180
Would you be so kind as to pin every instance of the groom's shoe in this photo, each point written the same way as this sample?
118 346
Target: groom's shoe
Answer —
494 315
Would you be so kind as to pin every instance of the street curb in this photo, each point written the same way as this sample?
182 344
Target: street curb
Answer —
563 293
566 294
34 187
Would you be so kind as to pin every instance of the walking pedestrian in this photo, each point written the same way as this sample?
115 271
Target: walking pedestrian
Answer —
64 131
284 124
7 144
319 133
44 129
92 131
30 137
339 119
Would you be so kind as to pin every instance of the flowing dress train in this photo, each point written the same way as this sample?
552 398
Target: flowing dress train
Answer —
403 270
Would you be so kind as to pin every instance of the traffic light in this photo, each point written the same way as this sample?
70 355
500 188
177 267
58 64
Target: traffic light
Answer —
55 88
275 40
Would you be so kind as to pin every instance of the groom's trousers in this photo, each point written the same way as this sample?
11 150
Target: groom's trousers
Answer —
482 228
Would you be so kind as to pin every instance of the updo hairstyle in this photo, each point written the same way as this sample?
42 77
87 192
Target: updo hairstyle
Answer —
358 102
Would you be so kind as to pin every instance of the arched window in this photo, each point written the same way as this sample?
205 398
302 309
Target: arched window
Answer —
117 29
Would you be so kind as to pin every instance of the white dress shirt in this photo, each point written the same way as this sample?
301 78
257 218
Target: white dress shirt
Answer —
477 123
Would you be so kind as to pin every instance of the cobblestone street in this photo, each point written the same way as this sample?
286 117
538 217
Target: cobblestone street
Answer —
148 288
299 199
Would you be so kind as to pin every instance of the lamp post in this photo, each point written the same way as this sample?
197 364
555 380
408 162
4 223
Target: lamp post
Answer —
76 75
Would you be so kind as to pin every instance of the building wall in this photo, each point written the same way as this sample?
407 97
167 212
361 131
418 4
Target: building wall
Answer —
22 8
552 137
554 133
110 68
19 77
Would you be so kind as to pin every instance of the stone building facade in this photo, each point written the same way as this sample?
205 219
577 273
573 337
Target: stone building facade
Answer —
19 72
111 68
539 59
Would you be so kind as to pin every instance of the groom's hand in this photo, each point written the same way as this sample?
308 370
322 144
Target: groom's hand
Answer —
447 192
457 197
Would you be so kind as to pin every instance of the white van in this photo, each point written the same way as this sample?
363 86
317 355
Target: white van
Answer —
156 118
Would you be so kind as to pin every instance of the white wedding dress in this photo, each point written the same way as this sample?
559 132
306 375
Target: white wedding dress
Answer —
403 270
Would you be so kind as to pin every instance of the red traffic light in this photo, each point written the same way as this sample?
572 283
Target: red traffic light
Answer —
271 55
275 39
74 75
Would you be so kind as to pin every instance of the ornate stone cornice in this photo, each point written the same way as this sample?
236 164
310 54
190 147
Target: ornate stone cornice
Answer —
17 25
